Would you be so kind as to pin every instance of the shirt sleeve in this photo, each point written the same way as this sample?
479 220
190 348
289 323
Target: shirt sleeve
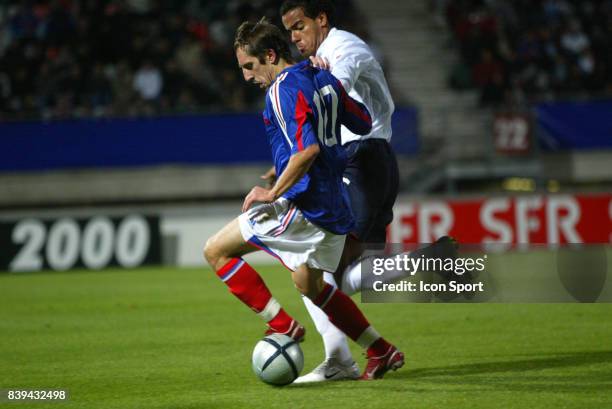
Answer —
297 115
349 60
354 115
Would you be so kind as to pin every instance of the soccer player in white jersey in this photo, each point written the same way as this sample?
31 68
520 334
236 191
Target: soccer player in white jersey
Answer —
371 176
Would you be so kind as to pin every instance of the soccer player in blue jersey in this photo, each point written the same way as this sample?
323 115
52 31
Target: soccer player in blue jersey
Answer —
304 218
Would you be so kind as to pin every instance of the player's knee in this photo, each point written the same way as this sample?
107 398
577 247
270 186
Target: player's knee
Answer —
211 253
308 291
302 288
309 288
314 290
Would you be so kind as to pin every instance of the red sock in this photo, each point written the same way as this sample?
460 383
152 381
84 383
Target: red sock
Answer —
246 284
379 348
345 315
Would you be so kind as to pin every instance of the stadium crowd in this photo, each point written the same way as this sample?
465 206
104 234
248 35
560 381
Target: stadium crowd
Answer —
102 58
526 50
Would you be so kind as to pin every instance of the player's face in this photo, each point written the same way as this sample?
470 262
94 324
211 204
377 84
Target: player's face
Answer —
306 33
253 70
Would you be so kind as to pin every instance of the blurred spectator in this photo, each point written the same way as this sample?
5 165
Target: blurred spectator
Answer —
99 92
79 58
542 50
148 82
488 74
174 83
573 40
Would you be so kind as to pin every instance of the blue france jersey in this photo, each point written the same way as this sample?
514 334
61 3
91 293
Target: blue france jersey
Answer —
306 106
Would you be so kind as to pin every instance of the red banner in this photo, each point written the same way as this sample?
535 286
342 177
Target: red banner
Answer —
541 219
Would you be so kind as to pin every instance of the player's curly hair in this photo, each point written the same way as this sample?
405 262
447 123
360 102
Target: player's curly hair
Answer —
257 38
312 8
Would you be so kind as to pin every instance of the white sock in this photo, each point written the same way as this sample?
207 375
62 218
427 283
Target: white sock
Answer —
351 279
334 340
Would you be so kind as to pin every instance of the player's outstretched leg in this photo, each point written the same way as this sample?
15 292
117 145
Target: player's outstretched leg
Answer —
338 364
351 280
344 314
223 252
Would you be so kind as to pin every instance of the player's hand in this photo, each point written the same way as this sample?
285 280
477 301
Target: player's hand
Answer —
319 62
257 194
269 177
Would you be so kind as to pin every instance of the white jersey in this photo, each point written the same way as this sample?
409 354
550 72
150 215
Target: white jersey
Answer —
353 63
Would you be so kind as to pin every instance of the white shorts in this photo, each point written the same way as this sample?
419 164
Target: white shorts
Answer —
281 230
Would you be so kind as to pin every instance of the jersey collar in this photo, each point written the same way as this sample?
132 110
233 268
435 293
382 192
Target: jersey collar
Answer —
294 67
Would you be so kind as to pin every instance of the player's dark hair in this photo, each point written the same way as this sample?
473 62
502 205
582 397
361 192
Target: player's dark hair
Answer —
312 8
257 38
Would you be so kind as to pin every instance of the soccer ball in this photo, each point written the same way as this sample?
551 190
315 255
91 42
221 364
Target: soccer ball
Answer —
278 359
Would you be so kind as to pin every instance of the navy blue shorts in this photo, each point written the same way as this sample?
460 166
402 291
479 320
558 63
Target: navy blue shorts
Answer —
373 179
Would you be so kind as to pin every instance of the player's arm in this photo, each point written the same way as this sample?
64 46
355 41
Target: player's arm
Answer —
298 165
354 115
297 115
304 143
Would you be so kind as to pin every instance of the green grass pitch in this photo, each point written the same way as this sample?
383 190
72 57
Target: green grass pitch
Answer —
169 338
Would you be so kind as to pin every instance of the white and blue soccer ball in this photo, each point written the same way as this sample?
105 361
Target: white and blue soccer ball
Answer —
278 359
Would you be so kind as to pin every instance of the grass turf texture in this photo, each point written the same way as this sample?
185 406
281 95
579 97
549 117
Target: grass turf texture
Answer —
168 338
